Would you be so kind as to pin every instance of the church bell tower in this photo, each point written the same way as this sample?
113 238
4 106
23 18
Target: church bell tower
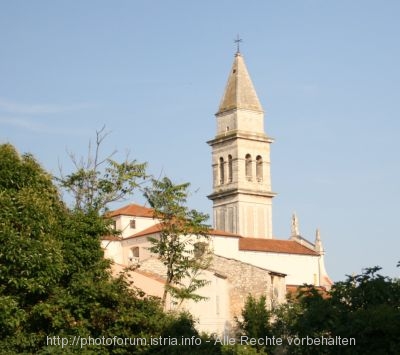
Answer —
242 196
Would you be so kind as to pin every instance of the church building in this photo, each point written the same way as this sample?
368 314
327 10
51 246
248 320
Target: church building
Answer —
247 257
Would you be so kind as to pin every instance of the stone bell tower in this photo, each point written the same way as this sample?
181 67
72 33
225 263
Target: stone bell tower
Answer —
242 196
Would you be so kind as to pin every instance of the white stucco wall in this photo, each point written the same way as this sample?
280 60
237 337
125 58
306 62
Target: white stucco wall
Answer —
225 246
299 268
113 250
141 242
212 314
142 223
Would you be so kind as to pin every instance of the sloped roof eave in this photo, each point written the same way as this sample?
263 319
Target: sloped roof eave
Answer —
274 246
133 210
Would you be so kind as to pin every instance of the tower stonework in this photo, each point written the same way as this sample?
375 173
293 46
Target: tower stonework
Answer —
242 196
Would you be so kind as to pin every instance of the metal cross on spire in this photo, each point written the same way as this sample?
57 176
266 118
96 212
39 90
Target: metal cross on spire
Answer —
237 41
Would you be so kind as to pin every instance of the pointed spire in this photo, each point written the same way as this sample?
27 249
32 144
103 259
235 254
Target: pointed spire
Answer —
295 226
239 91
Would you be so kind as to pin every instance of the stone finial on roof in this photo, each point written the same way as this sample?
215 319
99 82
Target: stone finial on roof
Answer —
295 226
318 243
317 235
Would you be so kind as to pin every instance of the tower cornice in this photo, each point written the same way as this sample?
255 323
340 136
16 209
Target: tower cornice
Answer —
232 135
232 192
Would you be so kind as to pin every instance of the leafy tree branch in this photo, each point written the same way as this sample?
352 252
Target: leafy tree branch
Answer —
99 181
180 229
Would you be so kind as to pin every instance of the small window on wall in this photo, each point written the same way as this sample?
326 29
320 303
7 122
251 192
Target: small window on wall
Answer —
114 225
199 249
248 168
132 223
259 168
135 252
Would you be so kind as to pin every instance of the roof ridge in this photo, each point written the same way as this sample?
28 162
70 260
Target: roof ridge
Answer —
132 209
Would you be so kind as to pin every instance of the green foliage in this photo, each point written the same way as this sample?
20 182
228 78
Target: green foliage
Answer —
284 319
240 349
54 280
99 181
31 260
255 323
180 327
365 307
181 228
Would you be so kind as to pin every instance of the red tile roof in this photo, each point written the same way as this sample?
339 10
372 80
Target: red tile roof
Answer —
148 274
274 246
327 280
132 210
151 230
157 228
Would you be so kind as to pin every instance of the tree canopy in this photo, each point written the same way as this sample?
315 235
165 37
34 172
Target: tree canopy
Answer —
54 280
364 307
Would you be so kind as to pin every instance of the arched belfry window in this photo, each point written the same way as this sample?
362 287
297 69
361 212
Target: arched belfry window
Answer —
221 171
248 169
230 168
259 168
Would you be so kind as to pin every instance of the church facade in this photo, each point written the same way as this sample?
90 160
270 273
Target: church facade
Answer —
247 258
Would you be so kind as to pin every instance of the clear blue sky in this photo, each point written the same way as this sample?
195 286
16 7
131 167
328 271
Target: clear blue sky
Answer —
326 72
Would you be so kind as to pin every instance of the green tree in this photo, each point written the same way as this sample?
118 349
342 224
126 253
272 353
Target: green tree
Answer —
367 308
180 327
31 259
54 280
241 349
181 228
364 307
255 323
99 181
